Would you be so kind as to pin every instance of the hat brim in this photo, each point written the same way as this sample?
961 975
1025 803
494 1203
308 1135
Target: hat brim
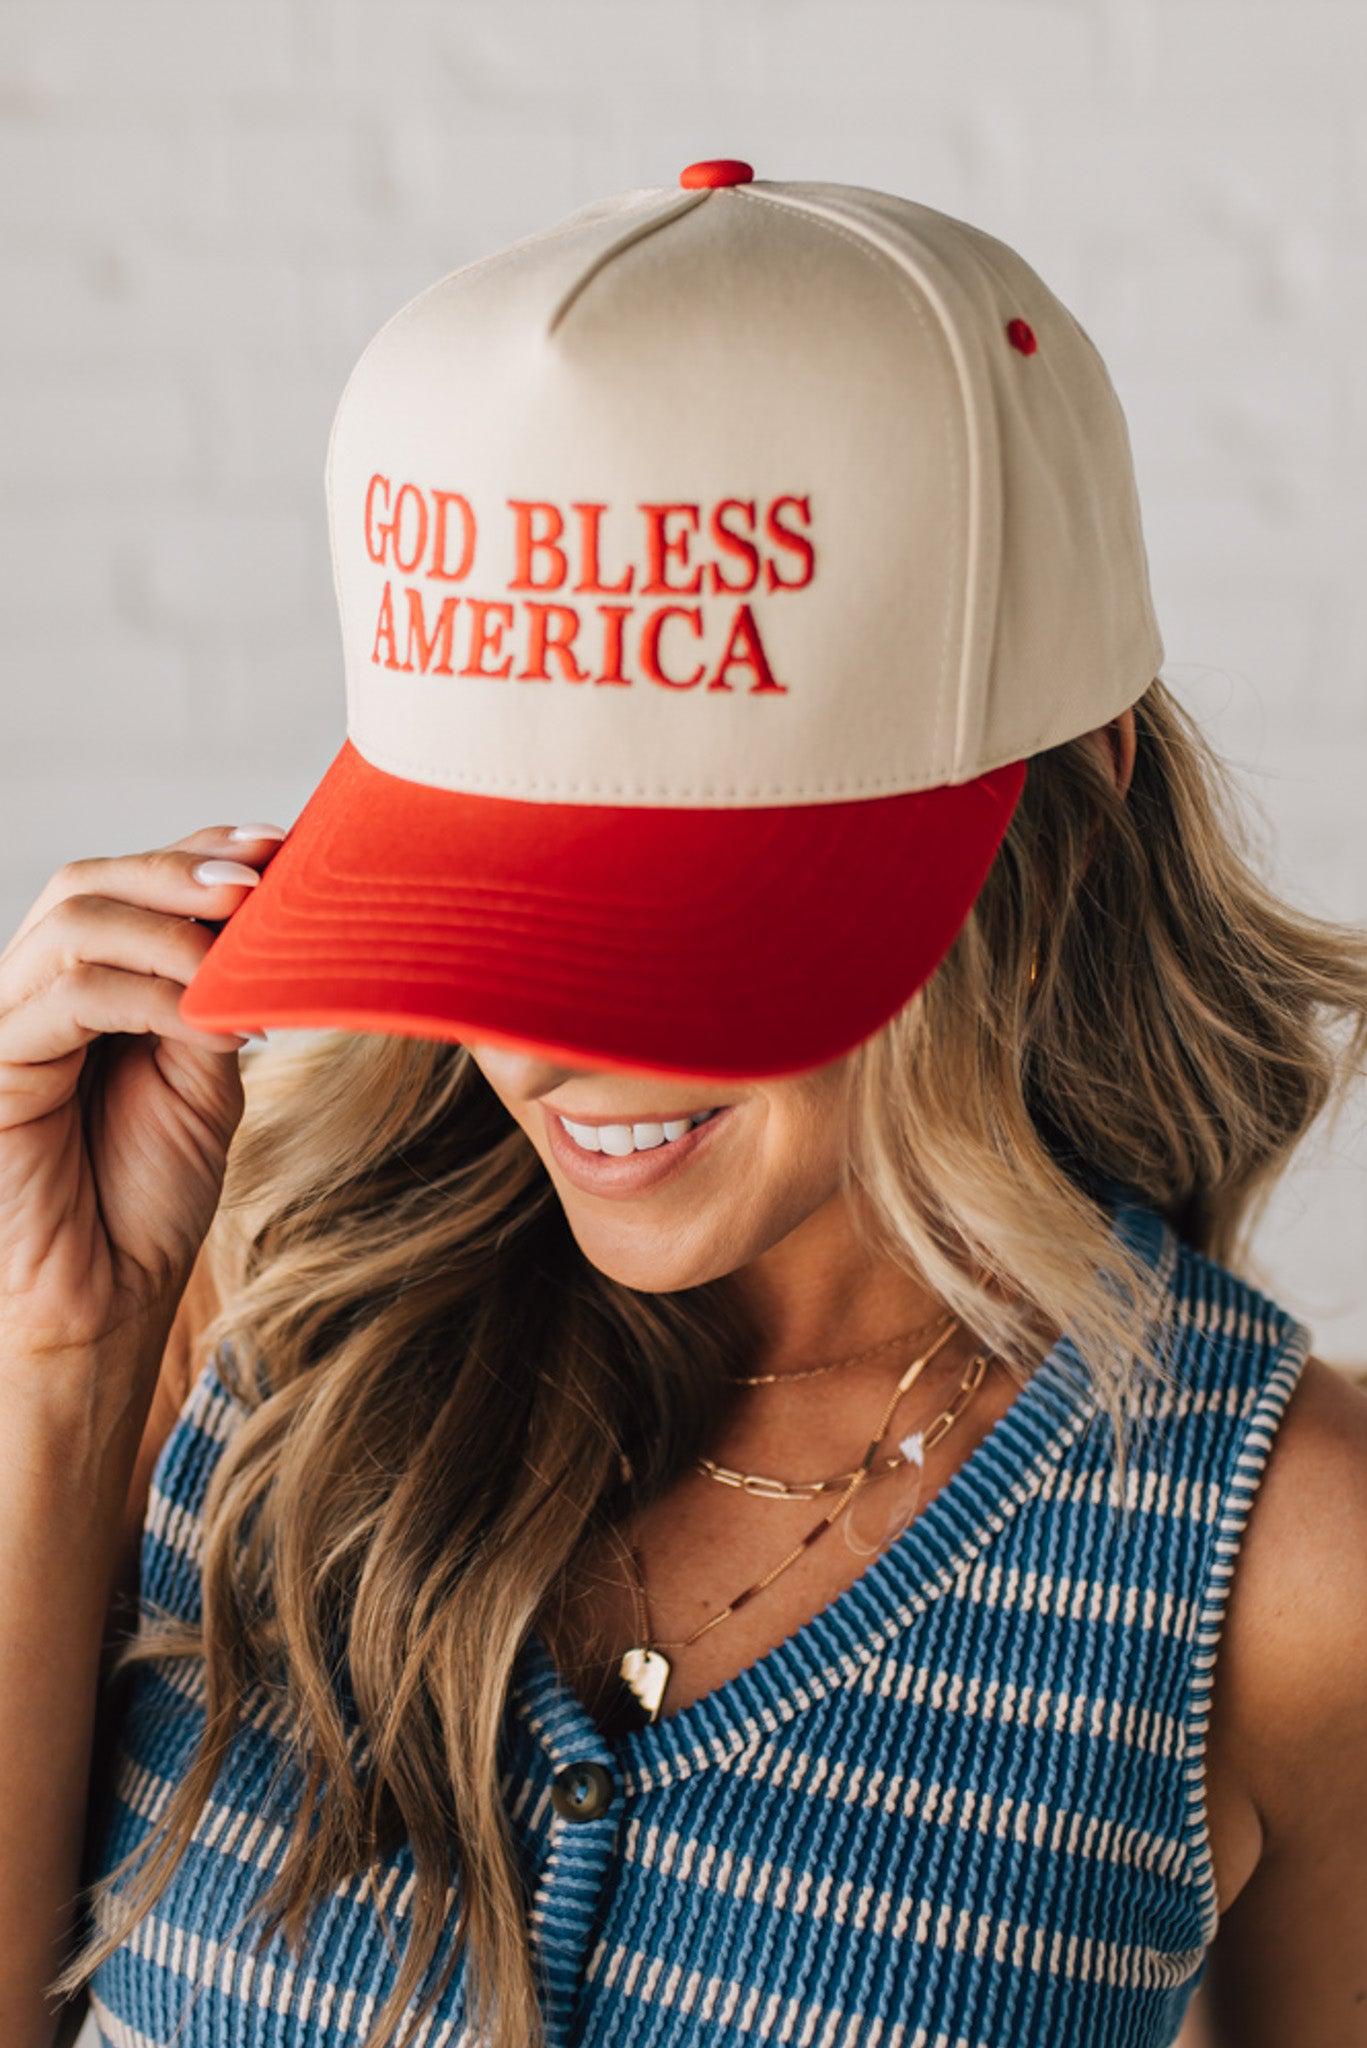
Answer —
733 944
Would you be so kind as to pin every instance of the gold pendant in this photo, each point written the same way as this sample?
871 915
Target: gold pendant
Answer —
647 1674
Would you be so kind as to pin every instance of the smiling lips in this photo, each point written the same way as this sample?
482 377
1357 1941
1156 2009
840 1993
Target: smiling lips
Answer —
618 1140
629 1160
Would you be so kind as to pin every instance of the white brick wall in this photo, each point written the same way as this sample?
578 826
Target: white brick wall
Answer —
207 206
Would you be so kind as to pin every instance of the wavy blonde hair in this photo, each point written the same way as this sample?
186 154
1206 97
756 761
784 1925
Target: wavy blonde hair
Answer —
438 1387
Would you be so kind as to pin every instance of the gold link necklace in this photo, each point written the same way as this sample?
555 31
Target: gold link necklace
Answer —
645 1669
761 1487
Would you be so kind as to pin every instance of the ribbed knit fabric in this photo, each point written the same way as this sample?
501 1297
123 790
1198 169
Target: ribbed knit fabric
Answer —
961 1807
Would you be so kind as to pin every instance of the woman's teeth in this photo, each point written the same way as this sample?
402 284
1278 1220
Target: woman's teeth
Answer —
619 1139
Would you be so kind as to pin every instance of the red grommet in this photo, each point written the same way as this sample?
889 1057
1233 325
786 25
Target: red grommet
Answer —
716 170
1021 335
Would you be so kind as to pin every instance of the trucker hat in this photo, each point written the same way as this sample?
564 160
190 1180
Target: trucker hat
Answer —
708 566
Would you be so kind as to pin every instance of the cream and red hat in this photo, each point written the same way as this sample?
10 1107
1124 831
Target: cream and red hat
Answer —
709 566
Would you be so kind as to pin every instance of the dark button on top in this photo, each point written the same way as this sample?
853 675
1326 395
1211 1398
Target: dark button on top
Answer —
581 1791
716 170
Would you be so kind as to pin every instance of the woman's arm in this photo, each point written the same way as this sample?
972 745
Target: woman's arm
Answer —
1288 1968
183 1356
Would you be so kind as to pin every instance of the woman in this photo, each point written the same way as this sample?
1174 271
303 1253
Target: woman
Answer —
699 1447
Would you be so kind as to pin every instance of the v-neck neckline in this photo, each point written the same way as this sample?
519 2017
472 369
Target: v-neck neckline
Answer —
830 1649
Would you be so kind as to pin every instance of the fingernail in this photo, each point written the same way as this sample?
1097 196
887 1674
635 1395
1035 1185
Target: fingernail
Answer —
215 871
258 832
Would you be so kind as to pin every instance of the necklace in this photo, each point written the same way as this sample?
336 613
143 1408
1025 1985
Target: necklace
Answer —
645 1669
762 1487
774 1489
811 1372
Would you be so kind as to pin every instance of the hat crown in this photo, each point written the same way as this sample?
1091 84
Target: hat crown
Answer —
736 496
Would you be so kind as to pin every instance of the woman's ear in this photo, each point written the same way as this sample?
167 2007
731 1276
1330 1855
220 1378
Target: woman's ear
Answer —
1116 743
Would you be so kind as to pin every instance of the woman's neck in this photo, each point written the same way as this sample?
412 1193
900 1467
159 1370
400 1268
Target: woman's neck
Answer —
821 1293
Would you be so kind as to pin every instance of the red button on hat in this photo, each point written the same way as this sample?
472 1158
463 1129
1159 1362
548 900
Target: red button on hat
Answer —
716 170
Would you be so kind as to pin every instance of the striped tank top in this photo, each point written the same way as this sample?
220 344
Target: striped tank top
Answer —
961 1807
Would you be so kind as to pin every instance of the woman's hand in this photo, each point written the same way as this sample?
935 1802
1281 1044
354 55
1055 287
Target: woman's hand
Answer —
115 1114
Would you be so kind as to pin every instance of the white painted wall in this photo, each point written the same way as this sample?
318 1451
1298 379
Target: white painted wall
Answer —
208 206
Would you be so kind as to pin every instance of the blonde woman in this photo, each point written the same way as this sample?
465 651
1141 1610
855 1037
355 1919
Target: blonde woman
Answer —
694 1461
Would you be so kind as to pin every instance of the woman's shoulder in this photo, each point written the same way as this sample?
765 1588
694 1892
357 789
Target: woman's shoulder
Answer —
1290 1719
1231 1351
1294 1660
1268 1441
1262 1446
1272 1436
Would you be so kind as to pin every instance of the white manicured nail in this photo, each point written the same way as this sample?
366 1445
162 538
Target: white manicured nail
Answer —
216 871
258 832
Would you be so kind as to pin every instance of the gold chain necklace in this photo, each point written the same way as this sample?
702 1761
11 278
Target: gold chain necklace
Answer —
769 1379
762 1487
644 1668
811 1372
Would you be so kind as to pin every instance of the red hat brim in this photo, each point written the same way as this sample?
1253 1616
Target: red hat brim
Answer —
733 944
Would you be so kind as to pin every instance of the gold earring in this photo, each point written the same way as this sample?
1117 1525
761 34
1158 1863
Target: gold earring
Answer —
1034 968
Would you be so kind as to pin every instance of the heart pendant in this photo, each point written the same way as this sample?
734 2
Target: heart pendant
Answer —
647 1673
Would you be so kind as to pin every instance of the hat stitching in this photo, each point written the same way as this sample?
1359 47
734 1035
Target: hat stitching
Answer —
902 276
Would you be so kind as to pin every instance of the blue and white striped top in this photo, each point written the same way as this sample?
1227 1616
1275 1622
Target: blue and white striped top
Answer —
961 1807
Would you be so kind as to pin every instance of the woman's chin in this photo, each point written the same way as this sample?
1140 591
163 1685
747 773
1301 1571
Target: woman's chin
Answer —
650 1261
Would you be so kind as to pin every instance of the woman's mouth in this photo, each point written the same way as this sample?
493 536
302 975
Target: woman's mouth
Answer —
619 1139
626 1158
